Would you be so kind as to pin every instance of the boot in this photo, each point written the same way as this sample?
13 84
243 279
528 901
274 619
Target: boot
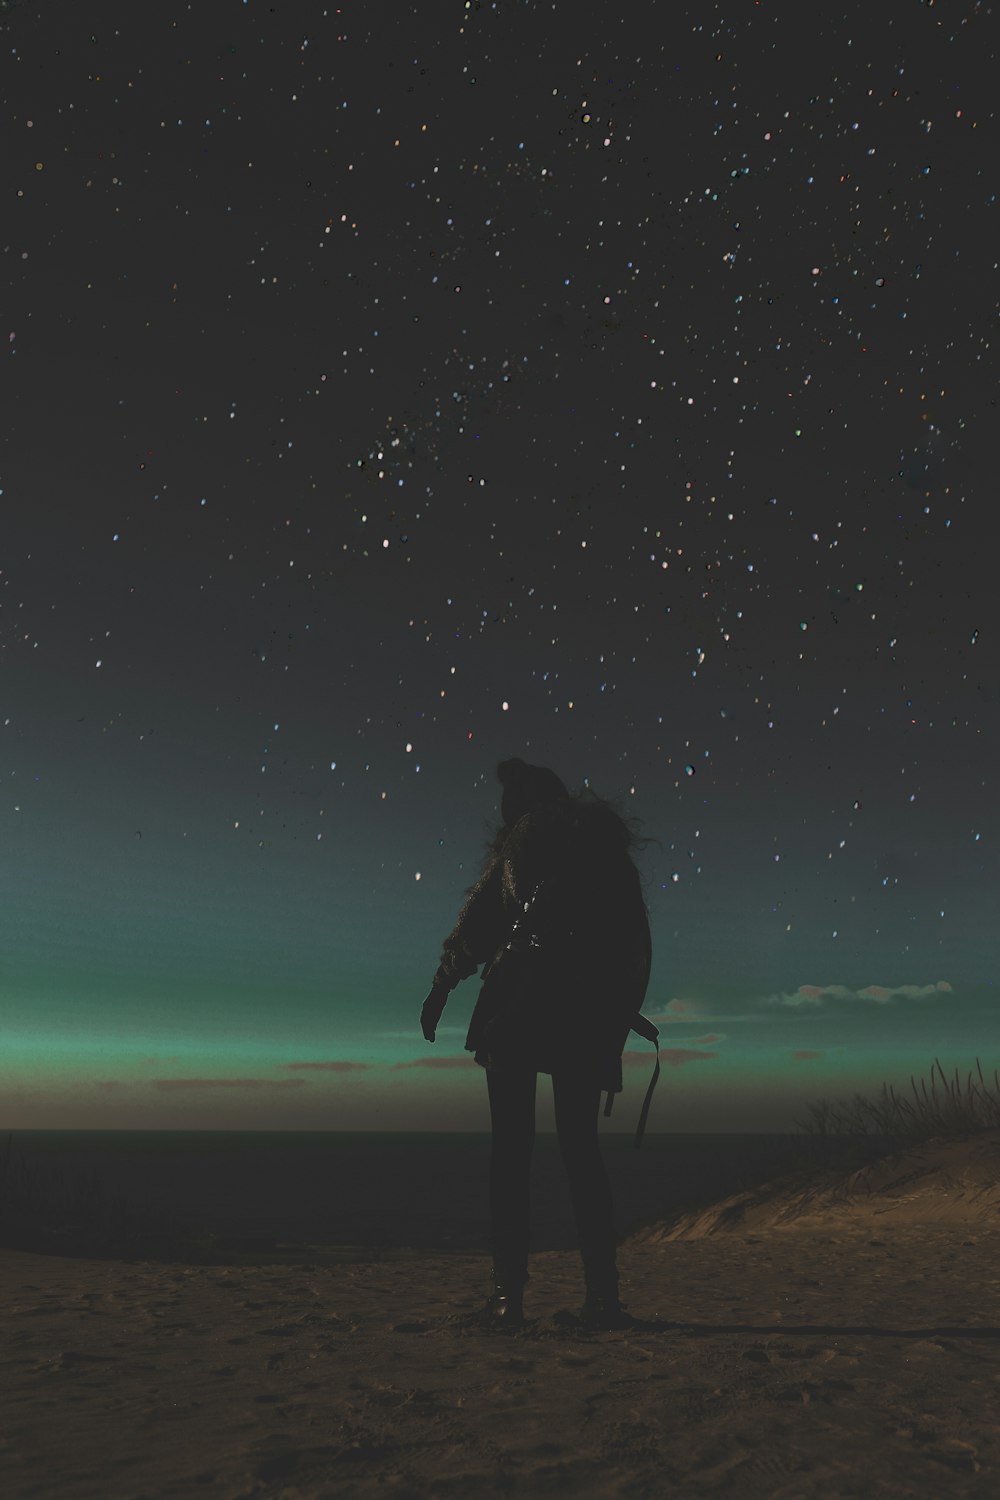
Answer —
600 1313
504 1308
601 1309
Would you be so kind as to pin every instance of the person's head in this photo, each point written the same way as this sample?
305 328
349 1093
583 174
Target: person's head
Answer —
524 786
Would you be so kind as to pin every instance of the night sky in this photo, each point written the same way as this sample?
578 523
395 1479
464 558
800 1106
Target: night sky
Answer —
390 392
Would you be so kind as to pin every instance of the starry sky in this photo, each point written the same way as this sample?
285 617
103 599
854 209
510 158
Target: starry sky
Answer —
388 392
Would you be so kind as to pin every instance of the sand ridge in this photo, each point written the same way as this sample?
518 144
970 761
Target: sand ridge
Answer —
934 1182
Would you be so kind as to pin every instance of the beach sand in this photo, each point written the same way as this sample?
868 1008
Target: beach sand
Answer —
849 1350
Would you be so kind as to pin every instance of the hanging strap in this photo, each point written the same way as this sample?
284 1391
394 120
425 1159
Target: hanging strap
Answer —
645 1028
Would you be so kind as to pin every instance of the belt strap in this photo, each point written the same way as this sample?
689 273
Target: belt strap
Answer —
645 1028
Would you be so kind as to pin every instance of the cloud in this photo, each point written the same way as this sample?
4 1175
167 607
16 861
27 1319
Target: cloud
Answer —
814 995
228 1083
437 1062
700 1041
685 1012
328 1067
674 1057
911 991
684 1009
804 1055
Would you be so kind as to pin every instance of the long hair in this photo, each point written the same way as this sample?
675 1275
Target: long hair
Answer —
603 815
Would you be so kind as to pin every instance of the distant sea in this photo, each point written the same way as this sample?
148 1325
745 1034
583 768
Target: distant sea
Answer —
391 1190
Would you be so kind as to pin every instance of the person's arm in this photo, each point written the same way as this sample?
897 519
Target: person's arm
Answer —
478 932
473 940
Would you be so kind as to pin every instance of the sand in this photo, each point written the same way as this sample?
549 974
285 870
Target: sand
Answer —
850 1351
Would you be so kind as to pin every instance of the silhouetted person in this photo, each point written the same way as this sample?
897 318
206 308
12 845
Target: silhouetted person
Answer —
592 924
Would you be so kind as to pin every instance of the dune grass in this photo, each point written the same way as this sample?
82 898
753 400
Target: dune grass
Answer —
839 1136
953 1112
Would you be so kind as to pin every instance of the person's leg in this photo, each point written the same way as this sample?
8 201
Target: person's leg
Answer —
512 1114
576 1109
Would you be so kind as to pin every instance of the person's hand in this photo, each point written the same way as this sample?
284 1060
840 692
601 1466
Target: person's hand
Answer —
430 1014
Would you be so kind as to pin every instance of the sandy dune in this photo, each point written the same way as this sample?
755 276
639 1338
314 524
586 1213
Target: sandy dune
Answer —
938 1182
845 1352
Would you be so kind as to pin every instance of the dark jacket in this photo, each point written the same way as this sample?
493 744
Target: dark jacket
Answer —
594 923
